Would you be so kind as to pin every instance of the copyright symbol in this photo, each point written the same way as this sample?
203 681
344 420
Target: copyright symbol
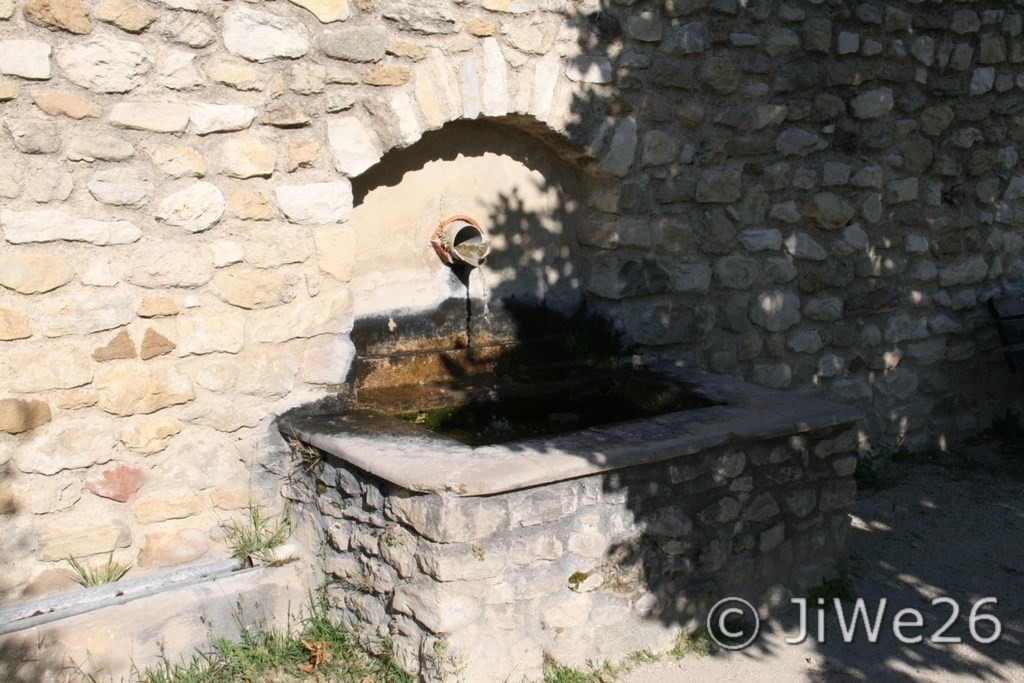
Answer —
733 623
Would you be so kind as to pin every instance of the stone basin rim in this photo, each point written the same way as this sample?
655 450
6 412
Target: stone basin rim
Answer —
427 463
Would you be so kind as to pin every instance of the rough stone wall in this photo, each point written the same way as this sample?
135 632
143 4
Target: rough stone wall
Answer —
812 195
587 569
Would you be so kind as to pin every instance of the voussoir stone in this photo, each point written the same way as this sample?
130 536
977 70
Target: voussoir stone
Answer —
19 415
196 208
33 273
355 148
25 59
261 36
105 64
49 225
156 117
64 15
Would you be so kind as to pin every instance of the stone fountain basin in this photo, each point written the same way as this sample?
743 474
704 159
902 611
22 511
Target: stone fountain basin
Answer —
374 440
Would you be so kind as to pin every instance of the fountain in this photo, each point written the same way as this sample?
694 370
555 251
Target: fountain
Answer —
499 481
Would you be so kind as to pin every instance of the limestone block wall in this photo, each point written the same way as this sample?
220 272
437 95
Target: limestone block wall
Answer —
593 568
813 195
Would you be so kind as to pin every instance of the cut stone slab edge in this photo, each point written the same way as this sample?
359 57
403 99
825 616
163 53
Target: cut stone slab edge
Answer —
432 464
44 610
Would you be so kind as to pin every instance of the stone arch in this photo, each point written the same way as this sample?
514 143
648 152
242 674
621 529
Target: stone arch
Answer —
522 181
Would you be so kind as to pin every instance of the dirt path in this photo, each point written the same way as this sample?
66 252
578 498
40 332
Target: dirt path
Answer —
952 528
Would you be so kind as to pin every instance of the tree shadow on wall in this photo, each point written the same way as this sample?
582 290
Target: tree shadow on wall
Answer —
528 306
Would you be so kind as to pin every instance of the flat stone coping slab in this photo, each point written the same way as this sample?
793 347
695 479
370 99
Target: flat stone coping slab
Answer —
418 460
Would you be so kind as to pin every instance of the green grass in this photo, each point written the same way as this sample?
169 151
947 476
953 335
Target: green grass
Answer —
699 643
87 577
317 649
258 535
840 586
604 672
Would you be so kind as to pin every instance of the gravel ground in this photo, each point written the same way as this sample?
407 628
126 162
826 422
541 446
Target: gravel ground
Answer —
950 528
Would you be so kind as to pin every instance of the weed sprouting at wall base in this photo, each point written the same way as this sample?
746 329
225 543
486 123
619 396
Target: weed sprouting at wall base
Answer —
258 535
88 577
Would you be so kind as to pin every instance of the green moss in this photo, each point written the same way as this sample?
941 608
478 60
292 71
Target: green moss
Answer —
576 578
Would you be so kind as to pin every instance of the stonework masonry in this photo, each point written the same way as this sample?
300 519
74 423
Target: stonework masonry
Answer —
813 195
593 568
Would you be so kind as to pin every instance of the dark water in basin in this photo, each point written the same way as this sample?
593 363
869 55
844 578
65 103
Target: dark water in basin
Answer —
549 402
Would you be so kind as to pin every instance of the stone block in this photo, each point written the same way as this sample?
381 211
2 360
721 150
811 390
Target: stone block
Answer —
154 117
148 436
165 548
21 415
105 64
127 15
130 389
837 495
121 187
34 273
440 608
118 483
196 208
25 59
206 118
261 36
316 203
447 519
775 310
461 562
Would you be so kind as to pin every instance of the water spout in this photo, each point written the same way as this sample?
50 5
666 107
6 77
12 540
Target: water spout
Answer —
461 240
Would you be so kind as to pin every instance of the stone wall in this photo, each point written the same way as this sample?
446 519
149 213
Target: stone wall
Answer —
591 568
816 196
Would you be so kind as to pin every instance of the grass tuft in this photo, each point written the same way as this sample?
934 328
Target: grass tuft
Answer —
88 577
317 649
257 535
841 586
